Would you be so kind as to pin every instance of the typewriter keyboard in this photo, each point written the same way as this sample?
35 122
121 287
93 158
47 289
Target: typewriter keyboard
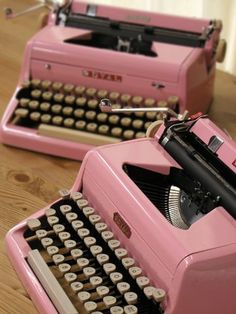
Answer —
83 267
72 112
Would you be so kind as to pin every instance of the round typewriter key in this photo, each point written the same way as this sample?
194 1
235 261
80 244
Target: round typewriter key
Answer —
116 277
58 97
83 296
76 253
137 124
33 224
52 250
158 295
147 125
33 104
81 101
91 127
57 120
65 209
70 244
116 132
109 268
47 96
95 249
58 228
82 262
89 271
71 216
94 218
126 122
64 235
35 116
121 253
140 135
88 211
56 108
107 235
103 129
41 233
22 112
26 84
80 124
82 203
128 134
46 84
116 310
102 258
128 113
135 271
102 291
131 297
139 114
95 281
128 262
173 100
70 277
130 309
83 232
50 212
46 118
67 111
68 88
36 93
113 244
149 102
137 100
24 102
91 91
148 291
76 196
56 86
36 83
79 113
69 100
162 103
109 301
89 241
125 98
142 281
90 306
77 286
113 96
114 119
90 115
93 103
45 106
46 242
102 117
151 115
102 93
64 268
79 90
100 226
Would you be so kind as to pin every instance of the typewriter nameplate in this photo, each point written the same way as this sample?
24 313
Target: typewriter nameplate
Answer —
102 76
124 227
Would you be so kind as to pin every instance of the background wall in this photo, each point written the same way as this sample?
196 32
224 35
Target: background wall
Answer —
217 9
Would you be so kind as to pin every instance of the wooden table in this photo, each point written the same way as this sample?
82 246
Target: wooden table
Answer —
30 180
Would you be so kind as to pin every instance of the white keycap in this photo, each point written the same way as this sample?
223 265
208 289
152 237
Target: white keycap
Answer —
113 244
89 271
121 253
94 219
123 287
90 306
70 244
88 211
64 235
135 271
52 250
83 296
109 268
77 286
64 268
109 301
131 297
41 233
116 277
76 253
58 258
65 209
77 224
148 291
102 258
100 226
53 220
46 242
102 291
82 262
70 277
58 228
83 232
33 224
128 262
142 282
96 312
107 235
64 193
116 310
71 216
76 196
130 309
50 212
95 281
82 203
95 249
158 294
89 241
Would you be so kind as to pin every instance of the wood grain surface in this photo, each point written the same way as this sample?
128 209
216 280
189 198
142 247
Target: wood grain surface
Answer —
28 181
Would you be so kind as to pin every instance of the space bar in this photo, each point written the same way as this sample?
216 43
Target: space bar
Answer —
75 135
55 292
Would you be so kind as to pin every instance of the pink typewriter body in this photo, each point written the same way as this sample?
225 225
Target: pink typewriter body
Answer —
187 72
197 267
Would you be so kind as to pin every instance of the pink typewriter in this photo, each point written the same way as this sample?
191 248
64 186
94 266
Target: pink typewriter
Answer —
148 227
87 52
